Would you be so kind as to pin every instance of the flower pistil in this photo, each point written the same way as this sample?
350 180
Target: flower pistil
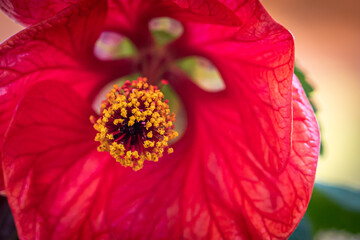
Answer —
135 124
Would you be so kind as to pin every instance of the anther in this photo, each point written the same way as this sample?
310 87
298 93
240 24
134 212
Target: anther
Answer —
135 124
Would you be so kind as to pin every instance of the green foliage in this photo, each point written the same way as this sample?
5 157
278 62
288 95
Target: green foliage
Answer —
335 207
308 91
305 84
304 230
331 207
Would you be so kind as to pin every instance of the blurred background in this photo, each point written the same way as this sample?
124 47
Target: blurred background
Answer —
327 40
327 48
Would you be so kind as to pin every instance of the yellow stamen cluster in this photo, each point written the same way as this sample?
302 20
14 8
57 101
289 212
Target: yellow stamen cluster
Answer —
135 124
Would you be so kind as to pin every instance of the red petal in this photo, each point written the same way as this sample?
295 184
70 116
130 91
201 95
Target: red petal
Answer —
227 189
29 12
58 49
124 14
33 11
211 187
130 17
256 63
2 186
53 50
217 184
50 135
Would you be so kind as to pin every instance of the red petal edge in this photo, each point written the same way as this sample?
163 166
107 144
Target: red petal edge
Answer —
257 204
256 62
121 12
59 187
56 49
29 12
214 186
131 17
50 134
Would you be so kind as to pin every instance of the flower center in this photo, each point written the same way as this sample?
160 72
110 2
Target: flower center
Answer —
135 124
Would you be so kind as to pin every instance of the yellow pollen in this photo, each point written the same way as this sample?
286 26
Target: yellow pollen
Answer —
135 124
149 135
148 125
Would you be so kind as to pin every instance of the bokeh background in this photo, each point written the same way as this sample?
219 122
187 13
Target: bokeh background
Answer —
327 47
327 40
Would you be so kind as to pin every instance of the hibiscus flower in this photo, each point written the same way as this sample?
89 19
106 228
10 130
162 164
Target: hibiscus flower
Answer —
243 169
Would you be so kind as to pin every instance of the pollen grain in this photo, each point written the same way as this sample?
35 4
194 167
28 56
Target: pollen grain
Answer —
135 124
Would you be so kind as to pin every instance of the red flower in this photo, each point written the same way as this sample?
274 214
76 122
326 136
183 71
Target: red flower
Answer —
244 167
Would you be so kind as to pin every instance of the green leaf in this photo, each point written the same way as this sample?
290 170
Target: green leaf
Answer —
333 207
330 208
303 231
306 85
308 91
345 197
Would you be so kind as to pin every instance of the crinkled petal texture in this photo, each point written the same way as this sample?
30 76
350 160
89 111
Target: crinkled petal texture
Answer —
60 188
59 48
29 12
256 62
244 168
